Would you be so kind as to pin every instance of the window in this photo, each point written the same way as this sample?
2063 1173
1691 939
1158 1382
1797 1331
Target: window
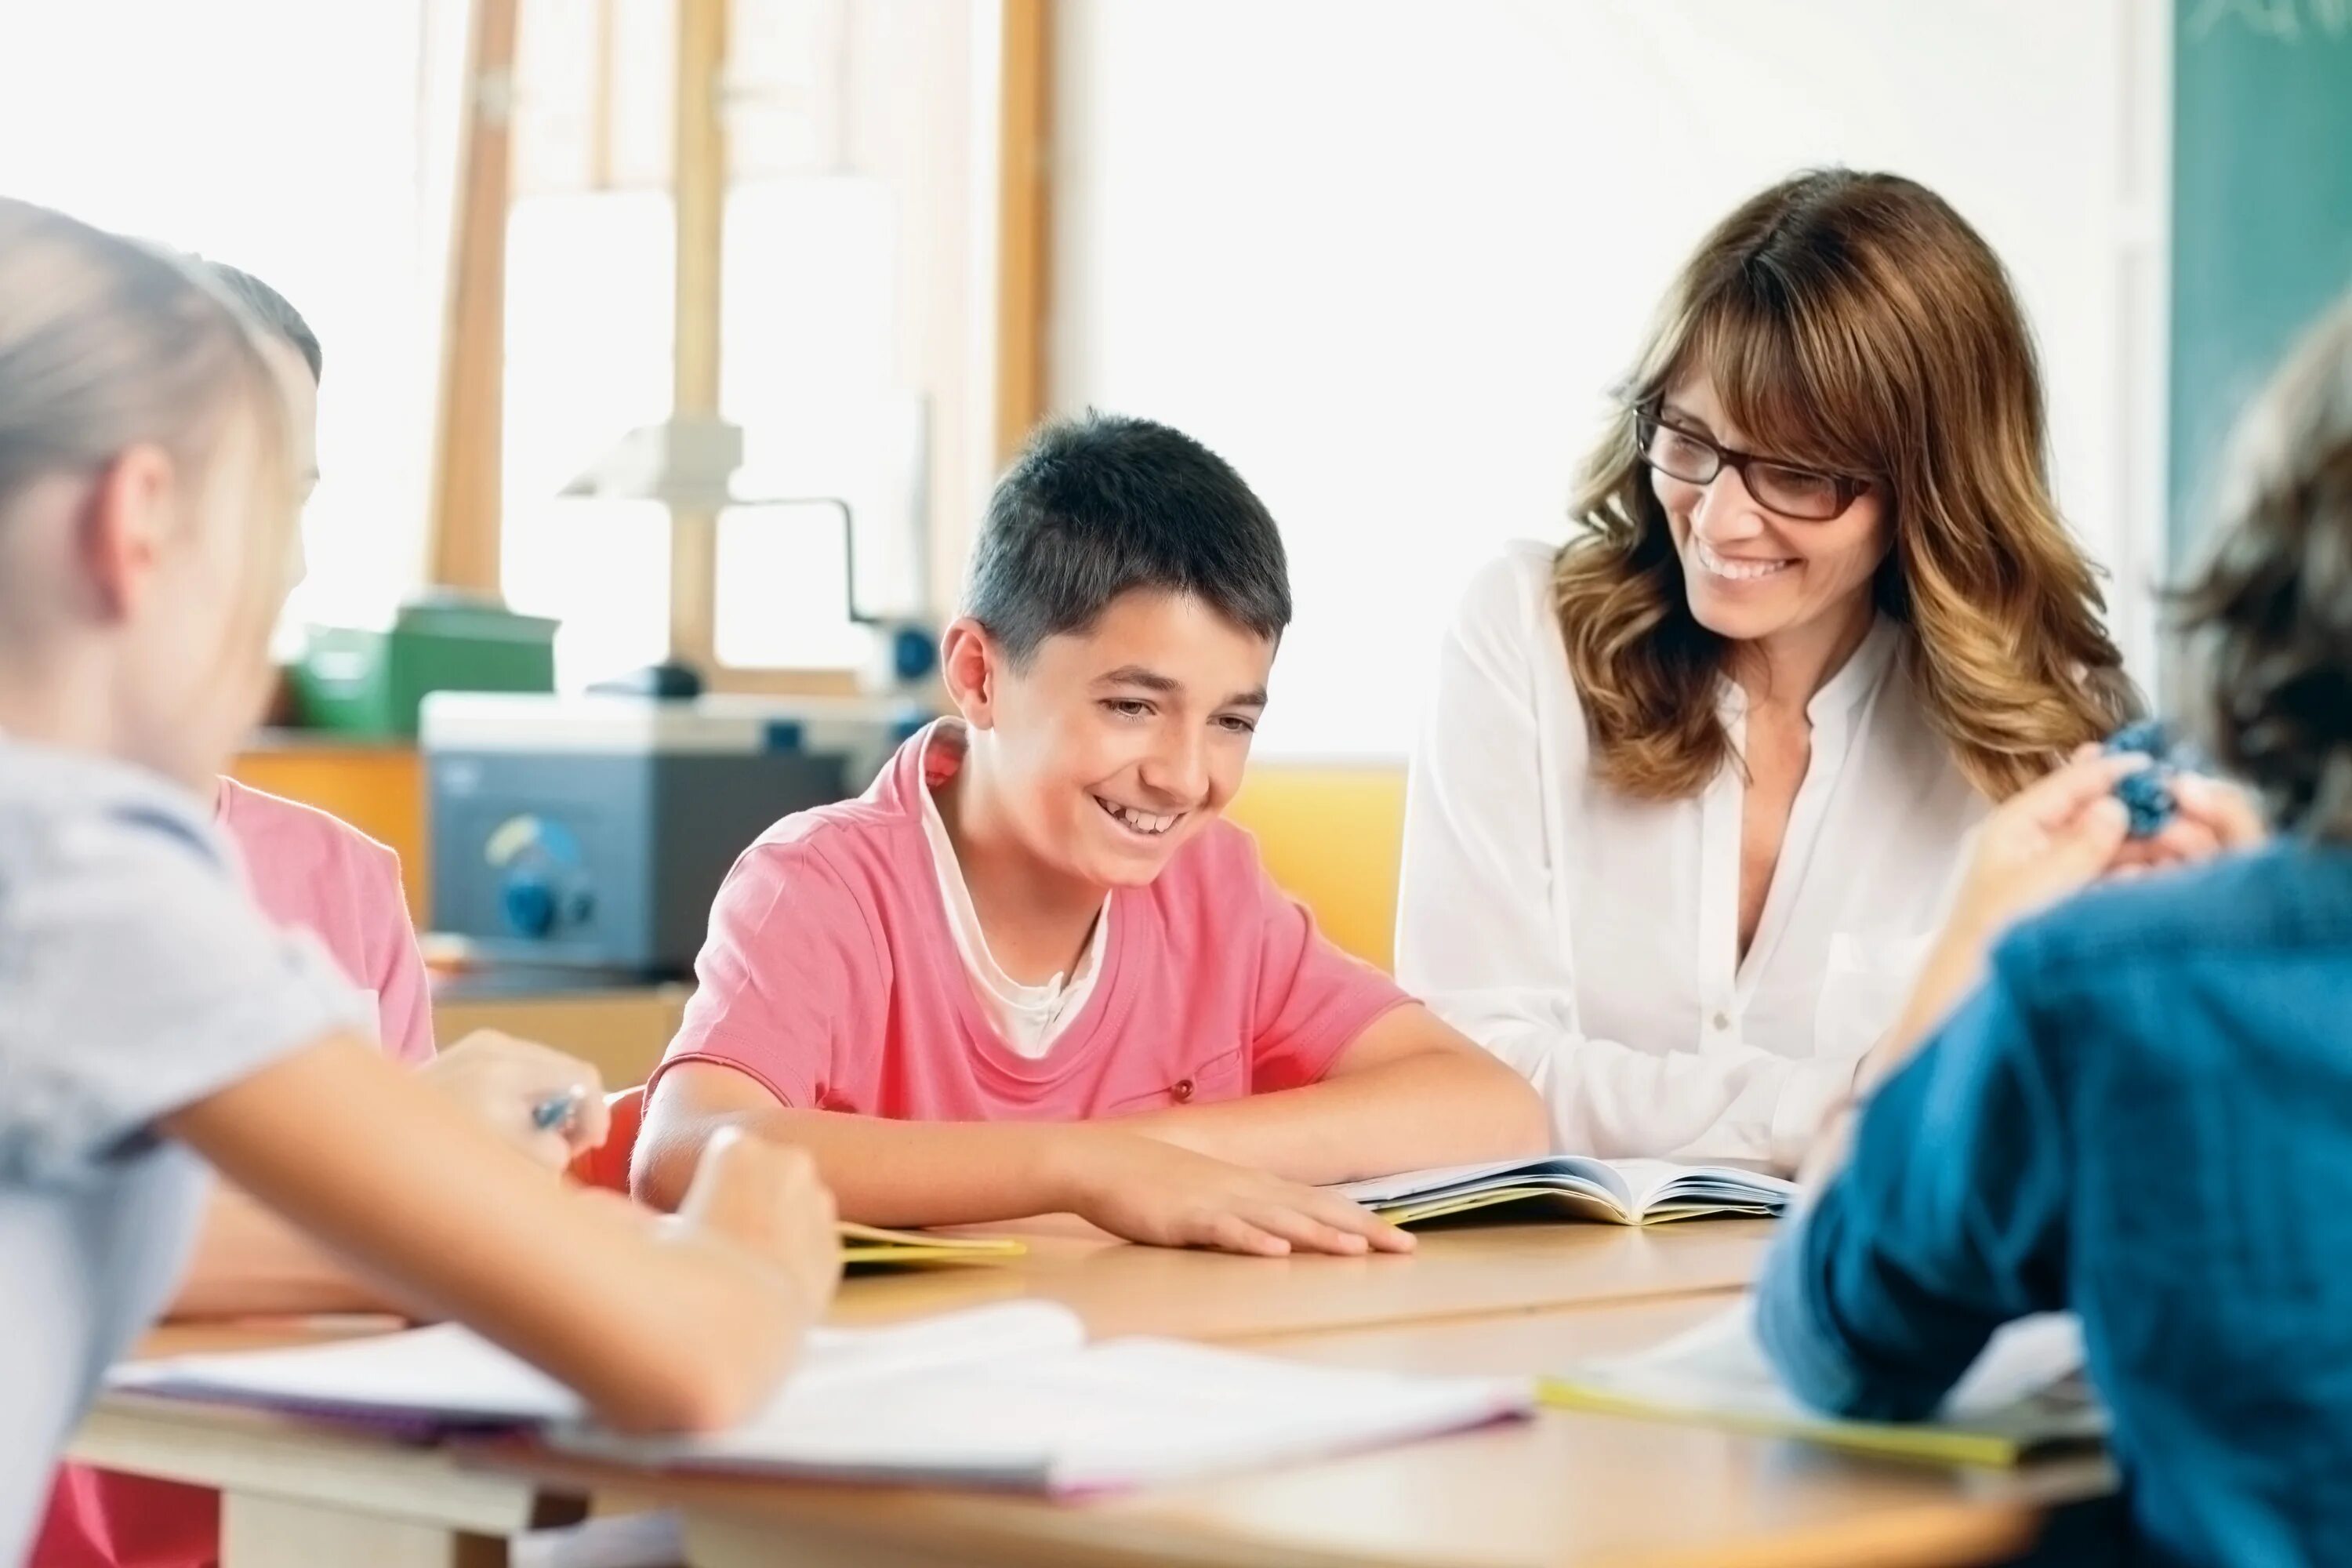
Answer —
846 309
286 138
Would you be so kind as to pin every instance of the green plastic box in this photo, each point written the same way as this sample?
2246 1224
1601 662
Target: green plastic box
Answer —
369 682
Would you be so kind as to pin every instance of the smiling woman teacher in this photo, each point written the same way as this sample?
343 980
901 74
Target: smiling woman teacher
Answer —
1694 783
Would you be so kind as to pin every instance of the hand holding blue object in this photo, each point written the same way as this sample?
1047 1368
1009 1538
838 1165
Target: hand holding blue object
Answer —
2145 794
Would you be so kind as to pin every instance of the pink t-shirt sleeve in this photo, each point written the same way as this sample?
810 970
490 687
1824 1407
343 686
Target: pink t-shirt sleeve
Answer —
1313 1000
780 976
315 872
404 994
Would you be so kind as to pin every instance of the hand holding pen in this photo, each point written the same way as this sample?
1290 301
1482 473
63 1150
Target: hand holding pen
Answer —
548 1105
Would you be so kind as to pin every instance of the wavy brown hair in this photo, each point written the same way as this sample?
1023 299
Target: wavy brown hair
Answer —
1856 323
2269 615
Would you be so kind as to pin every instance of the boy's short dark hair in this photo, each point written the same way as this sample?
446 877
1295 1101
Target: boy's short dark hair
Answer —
271 308
1096 506
2270 614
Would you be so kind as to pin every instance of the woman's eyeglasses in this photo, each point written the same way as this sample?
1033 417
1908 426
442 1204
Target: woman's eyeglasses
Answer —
1805 494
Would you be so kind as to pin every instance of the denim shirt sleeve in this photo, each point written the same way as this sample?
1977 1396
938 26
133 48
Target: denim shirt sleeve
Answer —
1948 1220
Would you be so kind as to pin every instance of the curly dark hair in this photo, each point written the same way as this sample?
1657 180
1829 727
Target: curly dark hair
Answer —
2269 615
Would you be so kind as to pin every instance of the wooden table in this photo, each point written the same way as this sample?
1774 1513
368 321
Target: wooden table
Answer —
1565 1489
1463 1272
297 1494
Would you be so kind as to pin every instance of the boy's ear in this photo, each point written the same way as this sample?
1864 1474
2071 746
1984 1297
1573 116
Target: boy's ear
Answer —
970 663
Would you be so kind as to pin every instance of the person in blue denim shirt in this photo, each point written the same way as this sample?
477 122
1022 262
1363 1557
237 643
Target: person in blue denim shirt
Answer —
2142 1110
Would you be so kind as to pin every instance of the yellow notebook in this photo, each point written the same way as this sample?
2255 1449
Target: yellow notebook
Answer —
870 1247
2025 1394
1574 1186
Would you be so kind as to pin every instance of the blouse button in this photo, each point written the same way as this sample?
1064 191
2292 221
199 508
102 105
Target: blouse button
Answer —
1183 1090
1722 1021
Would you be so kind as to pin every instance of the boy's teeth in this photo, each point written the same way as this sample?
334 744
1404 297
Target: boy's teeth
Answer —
1138 820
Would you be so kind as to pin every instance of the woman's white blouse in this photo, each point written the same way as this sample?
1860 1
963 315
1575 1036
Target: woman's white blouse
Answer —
1591 940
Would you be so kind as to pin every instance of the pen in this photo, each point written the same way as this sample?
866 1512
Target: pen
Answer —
558 1110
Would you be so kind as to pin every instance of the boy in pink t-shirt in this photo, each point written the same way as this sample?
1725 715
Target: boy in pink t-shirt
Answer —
1032 971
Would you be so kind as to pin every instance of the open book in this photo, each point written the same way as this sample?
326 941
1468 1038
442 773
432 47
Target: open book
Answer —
871 1246
2024 1394
1008 1396
1574 1186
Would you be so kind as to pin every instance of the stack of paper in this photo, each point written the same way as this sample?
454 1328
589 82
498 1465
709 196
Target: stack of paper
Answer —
1007 1395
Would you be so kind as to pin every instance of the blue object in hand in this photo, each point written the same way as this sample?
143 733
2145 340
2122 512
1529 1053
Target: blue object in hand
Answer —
2148 801
2143 793
2148 736
556 1110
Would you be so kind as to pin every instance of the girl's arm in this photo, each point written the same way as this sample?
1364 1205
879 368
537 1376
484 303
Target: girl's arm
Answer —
682 1325
249 1262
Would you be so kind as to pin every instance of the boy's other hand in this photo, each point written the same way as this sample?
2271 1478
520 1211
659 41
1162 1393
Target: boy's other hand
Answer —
1152 1192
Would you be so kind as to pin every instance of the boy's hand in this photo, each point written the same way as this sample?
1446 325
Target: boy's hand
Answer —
503 1080
1148 1191
767 1200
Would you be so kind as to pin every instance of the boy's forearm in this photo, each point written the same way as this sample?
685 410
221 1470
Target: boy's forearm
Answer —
1433 1108
890 1173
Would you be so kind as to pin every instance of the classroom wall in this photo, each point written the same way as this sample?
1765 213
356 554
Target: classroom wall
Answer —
1388 257
2262 183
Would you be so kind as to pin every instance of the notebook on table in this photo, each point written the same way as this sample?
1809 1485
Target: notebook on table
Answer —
1010 1395
1575 1186
2025 1394
871 1246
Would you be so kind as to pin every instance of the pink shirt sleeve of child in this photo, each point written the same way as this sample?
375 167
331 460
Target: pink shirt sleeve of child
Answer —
315 872
1313 1000
403 993
779 976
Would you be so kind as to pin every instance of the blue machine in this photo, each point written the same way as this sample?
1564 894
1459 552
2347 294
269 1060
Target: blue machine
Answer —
592 832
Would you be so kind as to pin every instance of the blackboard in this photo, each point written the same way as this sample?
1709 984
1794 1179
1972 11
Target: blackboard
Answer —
2261 212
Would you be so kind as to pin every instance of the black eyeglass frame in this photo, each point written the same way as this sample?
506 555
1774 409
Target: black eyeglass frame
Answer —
1649 419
